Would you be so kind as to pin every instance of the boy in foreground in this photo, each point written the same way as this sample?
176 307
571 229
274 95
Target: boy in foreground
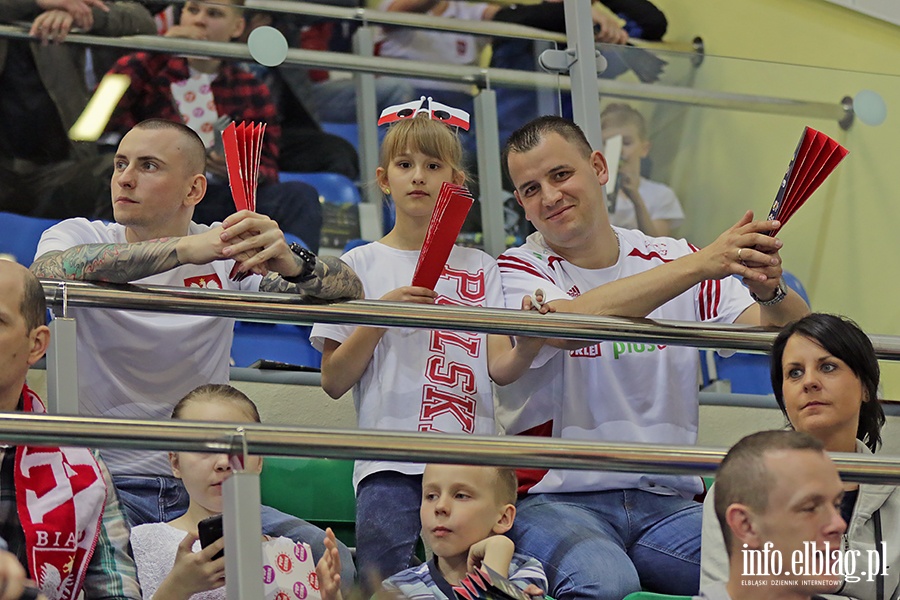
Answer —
466 510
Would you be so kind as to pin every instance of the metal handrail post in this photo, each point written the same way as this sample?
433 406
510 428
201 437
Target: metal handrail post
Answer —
583 71
62 361
242 527
367 118
489 178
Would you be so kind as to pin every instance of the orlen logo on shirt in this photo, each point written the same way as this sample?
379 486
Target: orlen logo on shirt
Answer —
452 388
210 281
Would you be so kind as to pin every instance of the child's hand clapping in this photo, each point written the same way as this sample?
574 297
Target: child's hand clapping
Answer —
329 569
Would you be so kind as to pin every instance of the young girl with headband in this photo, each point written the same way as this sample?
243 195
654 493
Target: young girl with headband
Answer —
415 379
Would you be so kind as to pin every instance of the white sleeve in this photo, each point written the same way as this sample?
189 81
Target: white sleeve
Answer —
68 234
721 300
522 273
335 331
493 285
662 203
149 547
713 556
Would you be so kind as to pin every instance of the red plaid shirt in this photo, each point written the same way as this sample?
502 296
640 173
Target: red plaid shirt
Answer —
238 94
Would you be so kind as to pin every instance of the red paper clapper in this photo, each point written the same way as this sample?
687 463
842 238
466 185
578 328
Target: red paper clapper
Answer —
450 210
243 150
814 159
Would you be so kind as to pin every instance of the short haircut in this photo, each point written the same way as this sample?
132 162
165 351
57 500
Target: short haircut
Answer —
528 136
34 305
742 477
843 339
425 135
507 485
220 392
194 150
619 114
236 3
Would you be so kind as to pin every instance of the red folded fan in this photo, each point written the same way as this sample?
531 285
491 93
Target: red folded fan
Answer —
450 210
814 159
243 151
487 584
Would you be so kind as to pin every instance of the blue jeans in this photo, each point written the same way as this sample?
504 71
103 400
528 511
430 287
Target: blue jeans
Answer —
162 499
606 545
387 525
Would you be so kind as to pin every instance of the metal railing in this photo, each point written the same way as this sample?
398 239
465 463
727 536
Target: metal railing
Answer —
508 451
241 492
363 64
286 308
478 76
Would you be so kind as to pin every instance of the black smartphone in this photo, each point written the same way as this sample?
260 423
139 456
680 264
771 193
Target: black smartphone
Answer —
210 529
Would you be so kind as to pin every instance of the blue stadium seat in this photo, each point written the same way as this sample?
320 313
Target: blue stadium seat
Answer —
332 187
749 373
21 235
348 131
280 342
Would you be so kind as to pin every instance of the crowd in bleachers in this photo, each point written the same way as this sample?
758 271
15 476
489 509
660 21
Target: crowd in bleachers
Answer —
158 209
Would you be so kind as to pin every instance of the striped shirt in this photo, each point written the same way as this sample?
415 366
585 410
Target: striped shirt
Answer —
610 391
425 582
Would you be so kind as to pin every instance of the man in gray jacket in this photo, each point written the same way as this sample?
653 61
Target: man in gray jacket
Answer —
778 498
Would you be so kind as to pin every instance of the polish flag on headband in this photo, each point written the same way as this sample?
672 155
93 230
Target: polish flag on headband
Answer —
435 110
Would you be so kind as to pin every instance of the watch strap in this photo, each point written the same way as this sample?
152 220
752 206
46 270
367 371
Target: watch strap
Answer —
308 261
780 294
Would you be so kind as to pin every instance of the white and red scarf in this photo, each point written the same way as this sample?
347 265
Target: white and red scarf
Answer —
60 496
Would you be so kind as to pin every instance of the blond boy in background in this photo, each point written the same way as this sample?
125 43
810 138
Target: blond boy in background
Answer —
640 203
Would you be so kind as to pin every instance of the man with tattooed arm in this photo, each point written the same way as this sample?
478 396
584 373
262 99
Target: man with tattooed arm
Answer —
138 364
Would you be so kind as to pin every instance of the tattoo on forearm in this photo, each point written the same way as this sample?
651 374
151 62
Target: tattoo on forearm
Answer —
114 263
334 280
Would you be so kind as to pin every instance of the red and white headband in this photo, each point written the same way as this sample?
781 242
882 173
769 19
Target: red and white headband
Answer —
435 111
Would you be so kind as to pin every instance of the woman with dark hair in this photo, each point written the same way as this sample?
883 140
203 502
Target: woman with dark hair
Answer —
825 377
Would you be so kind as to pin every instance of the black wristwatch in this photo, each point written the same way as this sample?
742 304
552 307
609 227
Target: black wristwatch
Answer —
308 259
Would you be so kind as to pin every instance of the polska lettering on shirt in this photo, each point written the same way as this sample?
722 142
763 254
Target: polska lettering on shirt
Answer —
453 386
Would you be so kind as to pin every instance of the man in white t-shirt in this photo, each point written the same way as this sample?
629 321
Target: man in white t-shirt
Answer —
139 364
600 534
778 499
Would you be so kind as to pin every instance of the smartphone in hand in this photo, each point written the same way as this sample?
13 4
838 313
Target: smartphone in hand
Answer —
210 529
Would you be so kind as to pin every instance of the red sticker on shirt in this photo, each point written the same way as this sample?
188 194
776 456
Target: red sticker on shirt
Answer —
210 281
